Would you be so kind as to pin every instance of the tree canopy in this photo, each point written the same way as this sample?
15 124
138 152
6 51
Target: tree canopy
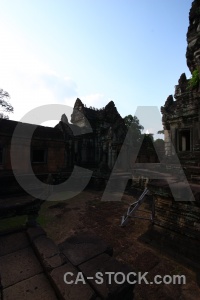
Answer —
133 121
133 124
6 107
161 131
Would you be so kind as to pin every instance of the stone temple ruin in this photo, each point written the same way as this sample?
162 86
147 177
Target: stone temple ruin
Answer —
93 139
181 116
100 146
178 222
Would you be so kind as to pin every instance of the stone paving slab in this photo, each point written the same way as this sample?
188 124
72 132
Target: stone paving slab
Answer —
71 291
34 288
82 247
13 242
35 232
45 247
32 267
18 266
53 262
107 288
46 250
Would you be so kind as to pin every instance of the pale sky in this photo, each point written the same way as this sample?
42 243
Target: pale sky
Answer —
128 51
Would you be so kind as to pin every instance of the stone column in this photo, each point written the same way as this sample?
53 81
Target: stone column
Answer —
113 157
167 142
83 150
70 158
183 141
96 150
173 140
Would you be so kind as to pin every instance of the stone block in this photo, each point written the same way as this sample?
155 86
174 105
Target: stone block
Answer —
83 247
18 266
70 291
45 247
36 287
107 286
13 242
35 232
53 262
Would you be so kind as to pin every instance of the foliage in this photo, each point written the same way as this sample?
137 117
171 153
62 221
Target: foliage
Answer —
11 223
160 143
133 124
147 142
160 132
132 121
194 80
4 103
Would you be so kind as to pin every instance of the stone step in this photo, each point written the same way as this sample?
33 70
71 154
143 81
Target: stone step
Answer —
84 246
90 254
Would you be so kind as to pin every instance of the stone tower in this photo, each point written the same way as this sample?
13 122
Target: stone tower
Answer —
181 113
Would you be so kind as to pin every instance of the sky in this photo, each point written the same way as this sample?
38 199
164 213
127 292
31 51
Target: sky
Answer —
128 51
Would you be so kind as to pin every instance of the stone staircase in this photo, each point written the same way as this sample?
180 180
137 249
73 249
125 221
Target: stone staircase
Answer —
33 267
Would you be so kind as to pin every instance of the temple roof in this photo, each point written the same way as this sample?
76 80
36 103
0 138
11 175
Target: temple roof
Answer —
7 128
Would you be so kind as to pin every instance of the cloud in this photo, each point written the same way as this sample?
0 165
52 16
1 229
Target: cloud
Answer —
61 87
32 83
26 78
95 100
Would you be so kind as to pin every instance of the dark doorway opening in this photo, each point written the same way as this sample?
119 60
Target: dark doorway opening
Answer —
184 140
38 156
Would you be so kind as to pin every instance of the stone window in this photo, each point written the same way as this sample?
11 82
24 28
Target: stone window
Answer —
184 140
38 155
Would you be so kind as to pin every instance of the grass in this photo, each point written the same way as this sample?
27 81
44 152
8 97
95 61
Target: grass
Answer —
12 223
20 221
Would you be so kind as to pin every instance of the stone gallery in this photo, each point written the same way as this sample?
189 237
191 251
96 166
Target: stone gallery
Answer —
93 137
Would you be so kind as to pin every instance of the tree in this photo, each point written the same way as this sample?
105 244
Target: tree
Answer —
160 143
133 124
194 80
160 131
4 103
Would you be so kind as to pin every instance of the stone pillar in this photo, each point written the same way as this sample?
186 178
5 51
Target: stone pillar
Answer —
83 151
167 142
70 156
183 141
113 157
76 146
66 157
173 140
96 150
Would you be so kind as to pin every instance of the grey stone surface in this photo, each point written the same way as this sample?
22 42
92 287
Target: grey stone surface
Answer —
18 266
13 242
34 288
53 262
45 247
83 247
108 288
71 291
35 232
